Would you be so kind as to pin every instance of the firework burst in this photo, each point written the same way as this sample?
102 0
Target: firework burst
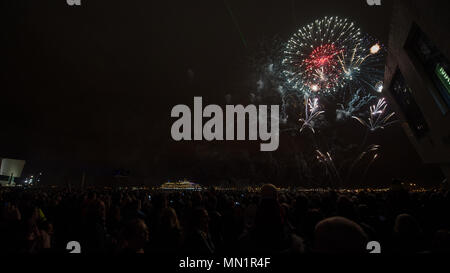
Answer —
311 114
378 118
312 55
330 54
363 66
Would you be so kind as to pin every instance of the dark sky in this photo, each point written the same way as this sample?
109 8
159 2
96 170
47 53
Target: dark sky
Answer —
92 87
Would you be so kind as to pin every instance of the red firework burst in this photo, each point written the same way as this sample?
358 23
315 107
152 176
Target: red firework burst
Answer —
321 68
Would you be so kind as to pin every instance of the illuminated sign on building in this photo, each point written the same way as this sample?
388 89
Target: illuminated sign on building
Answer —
443 77
435 64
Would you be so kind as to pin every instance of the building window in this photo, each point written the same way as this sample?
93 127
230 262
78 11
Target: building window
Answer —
405 100
436 65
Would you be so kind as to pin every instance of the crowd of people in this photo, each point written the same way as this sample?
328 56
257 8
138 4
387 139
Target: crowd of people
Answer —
212 222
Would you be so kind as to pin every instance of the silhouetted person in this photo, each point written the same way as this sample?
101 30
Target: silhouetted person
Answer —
269 234
134 237
441 241
94 229
407 235
339 235
198 240
168 238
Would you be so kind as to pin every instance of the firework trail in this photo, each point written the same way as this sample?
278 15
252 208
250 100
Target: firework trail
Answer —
235 22
311 114
371 149
374 158
378 118
354 105
330 168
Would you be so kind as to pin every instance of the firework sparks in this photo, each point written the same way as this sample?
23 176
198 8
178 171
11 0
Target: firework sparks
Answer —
372 148
311 114
357 101
363 66
357 60
312 54
378 118
331 53
321 70
328 162
379 87
325 159
374 158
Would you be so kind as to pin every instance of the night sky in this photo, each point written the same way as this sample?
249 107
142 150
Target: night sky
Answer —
92 87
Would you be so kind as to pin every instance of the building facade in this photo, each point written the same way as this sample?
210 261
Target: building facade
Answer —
417 78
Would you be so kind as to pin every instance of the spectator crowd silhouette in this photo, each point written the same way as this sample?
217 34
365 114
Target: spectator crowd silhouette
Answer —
215 222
